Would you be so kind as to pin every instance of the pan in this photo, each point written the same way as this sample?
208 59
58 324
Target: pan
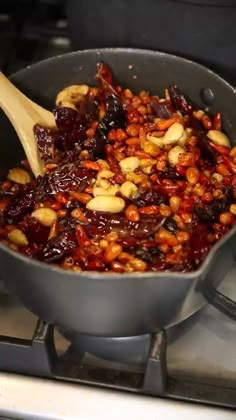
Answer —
119 305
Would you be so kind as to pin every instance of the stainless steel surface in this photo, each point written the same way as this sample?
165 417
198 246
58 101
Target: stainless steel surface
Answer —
37 399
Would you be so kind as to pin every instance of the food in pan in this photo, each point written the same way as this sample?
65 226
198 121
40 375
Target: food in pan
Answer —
133 182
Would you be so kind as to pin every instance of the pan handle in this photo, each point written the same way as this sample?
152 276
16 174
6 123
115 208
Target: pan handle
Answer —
221 302
224 260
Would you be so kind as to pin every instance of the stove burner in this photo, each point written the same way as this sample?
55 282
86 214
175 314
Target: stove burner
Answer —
38 357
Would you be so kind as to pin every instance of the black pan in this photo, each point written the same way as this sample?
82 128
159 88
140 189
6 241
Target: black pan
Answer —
128 304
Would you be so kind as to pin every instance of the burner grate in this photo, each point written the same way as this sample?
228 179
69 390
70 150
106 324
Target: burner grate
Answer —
38 357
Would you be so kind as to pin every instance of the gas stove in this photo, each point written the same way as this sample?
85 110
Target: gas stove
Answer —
187 370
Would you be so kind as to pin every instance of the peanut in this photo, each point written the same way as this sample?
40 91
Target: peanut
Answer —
44 215
150 148
163 236
217 177
132 213
136 178
173 134
129 164
71 95
226 218
233 209
18 237
175 202
128 189
104 183
182 140
112 237
18 175
112 251
105 173
219 138
192 175
103 164
138 264
158 141
233 152
106 203
111 190
165 211
174 154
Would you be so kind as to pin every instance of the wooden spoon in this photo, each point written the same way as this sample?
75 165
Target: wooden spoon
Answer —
24 114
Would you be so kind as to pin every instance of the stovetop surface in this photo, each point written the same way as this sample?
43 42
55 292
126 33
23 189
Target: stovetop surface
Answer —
200 365
201 349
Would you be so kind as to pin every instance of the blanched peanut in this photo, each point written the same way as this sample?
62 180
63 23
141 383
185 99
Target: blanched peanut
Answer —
129 164
71 95
112 190
148 169
173 134
158 141
104 183
128 189
18 237
192 175
45 215
18 175
106 174
182 140
174 154
106 203
219 138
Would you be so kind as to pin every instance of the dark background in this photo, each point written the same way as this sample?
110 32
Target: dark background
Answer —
31 30
202 30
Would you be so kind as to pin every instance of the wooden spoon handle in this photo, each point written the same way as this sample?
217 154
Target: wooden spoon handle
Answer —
23 117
